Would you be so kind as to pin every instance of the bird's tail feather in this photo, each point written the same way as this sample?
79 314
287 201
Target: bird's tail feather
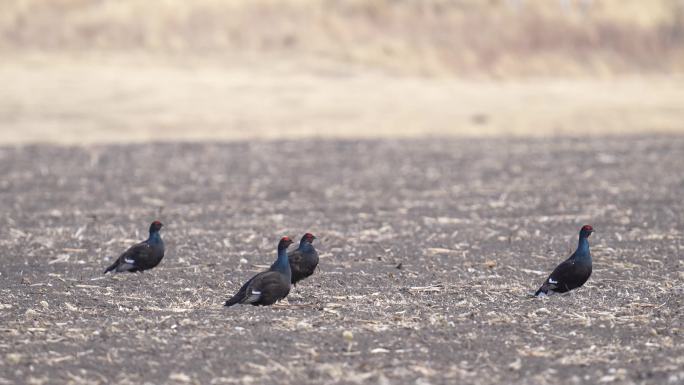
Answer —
112 267
234 300
540 293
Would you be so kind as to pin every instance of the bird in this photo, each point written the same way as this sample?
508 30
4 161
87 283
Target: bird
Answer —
270 286
304 259
142 256
573 272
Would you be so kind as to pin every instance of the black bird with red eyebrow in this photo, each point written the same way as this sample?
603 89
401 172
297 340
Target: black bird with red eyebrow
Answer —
267 287
143 256
573 272
304 259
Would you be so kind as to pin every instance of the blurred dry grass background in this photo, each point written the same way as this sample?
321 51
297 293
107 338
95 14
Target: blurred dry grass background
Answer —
503 37
84 70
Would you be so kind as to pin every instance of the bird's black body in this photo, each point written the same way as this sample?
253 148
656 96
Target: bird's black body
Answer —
304 259
268 287
573 272
142 256
265 288
565 277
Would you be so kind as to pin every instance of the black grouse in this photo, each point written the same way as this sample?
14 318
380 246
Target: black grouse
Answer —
573 272
142 256
304 259
270 286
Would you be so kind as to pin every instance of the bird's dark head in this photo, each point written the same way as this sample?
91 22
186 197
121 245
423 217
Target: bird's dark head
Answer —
586 231
308 237
284 242
155 226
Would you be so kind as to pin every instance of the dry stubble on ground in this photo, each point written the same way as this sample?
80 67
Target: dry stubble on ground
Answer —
429 249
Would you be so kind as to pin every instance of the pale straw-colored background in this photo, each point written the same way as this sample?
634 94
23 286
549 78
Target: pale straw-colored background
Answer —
80 71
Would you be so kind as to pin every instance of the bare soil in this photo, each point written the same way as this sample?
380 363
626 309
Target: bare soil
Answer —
429 250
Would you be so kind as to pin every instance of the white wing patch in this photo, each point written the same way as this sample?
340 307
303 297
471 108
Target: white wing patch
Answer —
129 261
552 281
254 296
